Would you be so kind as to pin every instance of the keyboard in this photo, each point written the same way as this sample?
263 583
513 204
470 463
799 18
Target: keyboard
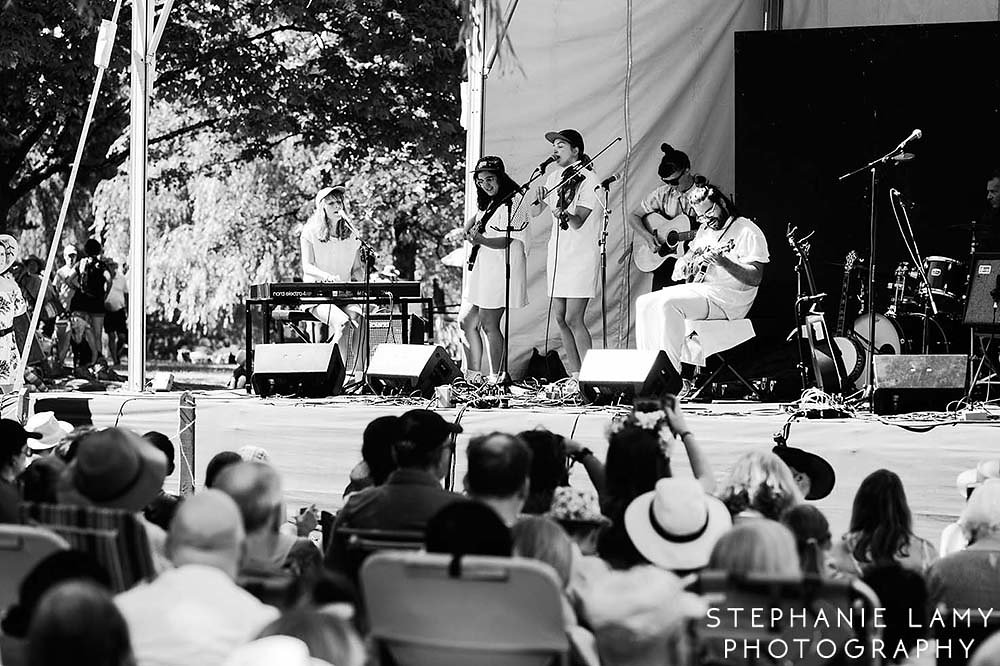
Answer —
295 291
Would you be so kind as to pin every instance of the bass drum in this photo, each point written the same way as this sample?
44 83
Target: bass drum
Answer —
902 334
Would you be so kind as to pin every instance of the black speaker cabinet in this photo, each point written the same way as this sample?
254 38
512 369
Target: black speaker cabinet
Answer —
621 375
409 369
302 369
918 382
984 283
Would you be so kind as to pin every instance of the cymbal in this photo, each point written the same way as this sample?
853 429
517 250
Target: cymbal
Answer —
903 157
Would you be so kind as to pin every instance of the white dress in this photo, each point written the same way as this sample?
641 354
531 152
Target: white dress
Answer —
335 256
573 266
486 280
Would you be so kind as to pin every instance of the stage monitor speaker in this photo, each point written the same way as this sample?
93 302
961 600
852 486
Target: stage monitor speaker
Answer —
984 285
918 382
408 369
384 328
621 375
305 369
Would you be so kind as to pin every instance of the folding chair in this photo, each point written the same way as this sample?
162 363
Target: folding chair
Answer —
430 609
361 543
788 629
21 548
710 337
116 538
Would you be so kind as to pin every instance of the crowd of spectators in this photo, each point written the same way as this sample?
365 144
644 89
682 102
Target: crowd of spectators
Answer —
627 555
84 302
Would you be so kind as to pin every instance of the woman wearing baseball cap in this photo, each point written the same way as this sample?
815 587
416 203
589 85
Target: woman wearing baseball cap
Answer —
486 282
573 264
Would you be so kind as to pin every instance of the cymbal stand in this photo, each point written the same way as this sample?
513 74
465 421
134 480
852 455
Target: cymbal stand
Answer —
910 240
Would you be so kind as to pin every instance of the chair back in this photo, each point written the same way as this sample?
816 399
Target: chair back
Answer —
21 548
963 627
426 609
805 620
361 543
116 538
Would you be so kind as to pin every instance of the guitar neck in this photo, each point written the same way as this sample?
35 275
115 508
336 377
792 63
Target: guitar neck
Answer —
842 314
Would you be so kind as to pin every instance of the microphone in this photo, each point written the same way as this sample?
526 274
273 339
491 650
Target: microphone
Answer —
545 164
610 179
914 135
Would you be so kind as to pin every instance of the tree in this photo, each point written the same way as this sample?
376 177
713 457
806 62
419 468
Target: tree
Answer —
360 74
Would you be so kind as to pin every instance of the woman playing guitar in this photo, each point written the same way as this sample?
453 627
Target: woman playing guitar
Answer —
483 302
573 265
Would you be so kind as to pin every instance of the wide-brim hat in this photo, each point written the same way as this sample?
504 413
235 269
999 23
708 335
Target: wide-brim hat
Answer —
675 526
821 475
327 191
7 259
570 136
576 506
972 478
115 469
50 430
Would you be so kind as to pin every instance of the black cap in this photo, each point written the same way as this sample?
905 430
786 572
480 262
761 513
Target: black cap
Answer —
13 433
570 136
426 429
489 163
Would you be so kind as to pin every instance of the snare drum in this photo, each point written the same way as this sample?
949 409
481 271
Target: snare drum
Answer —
905 287
947 277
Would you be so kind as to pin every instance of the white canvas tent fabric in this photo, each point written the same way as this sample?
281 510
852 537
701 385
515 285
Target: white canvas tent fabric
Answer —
850 13
647 71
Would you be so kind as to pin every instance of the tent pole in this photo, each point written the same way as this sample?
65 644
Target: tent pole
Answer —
475 131
773 11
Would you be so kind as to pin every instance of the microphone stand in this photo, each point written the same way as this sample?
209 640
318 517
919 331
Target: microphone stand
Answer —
910 240
367 254
873 168
603 244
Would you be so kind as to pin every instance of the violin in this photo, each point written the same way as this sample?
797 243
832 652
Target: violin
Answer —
567 191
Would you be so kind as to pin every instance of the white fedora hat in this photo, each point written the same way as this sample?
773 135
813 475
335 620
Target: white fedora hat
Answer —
51 430
675 526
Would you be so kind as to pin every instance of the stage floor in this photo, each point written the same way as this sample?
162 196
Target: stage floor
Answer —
315 443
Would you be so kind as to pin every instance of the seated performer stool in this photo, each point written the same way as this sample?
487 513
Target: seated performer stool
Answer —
711 337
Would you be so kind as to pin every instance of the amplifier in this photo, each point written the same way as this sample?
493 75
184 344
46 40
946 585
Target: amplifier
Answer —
918 382
384 328
984 283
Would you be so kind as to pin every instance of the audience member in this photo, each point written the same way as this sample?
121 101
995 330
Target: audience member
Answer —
468 528
412 493
902 594
251 453
970 578
195 613
812 537
93 280
161 510
65 283
676 525
330 592
256 488
953 538
219 462
759 485
40 481
328 638
639 450
498 473
988 653
59 567
274 650
813 475
13 459
639 617
540 538
52 431
549 469
115 311
76 623
579 513
756 547
377 461
881 529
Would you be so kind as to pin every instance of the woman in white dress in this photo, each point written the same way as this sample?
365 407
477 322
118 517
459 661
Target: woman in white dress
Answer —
485 281
330 253
573 265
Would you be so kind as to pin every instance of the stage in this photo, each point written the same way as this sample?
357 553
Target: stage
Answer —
315 443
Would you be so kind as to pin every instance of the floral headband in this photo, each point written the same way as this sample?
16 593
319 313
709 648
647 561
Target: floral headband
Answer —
655 421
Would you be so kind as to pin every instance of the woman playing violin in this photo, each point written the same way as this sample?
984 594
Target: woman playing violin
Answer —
573 265
483 302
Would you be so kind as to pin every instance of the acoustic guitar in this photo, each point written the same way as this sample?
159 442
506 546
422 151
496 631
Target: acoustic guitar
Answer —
696 266
672 235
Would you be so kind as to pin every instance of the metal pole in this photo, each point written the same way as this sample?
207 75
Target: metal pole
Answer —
142 66
475 55
186 415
